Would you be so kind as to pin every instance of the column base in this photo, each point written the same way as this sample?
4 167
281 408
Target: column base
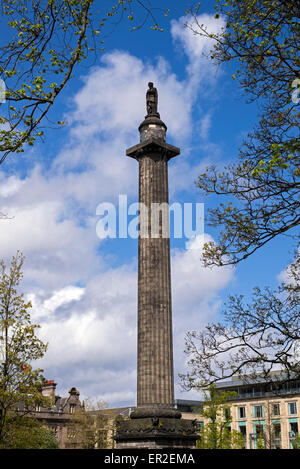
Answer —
156 428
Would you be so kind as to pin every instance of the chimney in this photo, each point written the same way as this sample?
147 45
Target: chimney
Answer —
74 392
48 389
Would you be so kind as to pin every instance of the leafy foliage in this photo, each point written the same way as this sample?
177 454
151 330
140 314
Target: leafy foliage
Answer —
90 426
20 384
262 186
254 339
46 40
216 432
27 433
296 442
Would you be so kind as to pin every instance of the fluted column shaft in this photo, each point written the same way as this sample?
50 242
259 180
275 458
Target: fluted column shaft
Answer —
155 380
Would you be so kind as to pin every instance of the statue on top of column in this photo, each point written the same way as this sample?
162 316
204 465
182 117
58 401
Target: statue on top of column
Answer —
151 100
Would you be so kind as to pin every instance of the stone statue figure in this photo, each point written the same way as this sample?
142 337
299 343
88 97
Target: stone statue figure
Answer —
151 99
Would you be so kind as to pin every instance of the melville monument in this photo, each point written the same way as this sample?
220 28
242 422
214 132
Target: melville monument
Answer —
155 423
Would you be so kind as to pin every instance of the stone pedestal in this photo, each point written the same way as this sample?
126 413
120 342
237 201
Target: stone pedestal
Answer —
156 429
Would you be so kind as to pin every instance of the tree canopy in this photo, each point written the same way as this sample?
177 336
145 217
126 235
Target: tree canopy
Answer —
20 383
260 337
27 434
261 41
254 339
216 432
91 427
45 41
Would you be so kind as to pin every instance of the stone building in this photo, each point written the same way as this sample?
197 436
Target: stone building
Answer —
59 417
259 410
74 426
106 424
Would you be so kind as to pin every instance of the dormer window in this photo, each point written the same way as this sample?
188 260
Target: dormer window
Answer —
72 408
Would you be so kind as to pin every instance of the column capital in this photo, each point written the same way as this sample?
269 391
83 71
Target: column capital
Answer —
154 149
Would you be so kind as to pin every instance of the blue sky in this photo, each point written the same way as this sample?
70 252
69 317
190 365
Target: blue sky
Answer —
83 289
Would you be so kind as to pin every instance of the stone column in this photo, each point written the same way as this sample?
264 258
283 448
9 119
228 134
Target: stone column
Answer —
155 423
155 379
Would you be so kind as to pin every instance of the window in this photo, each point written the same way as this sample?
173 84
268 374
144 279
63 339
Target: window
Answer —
257 438
258 411
276 435
72 408
246 392
242 412
71 432
276 409
258 391
243 431
276 430
199 426
293 429
259 429
292 408
227 414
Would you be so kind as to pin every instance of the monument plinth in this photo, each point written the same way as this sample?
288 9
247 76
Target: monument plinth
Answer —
155 423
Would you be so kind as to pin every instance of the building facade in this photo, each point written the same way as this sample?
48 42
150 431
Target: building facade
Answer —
266 414
59 416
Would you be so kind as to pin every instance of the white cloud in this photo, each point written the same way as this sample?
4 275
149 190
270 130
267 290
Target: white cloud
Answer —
9 186
87 310
193 281
54 213
112 100
97 322
44 308
196 298
194 44
288 274
205 126
96 333
197 48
